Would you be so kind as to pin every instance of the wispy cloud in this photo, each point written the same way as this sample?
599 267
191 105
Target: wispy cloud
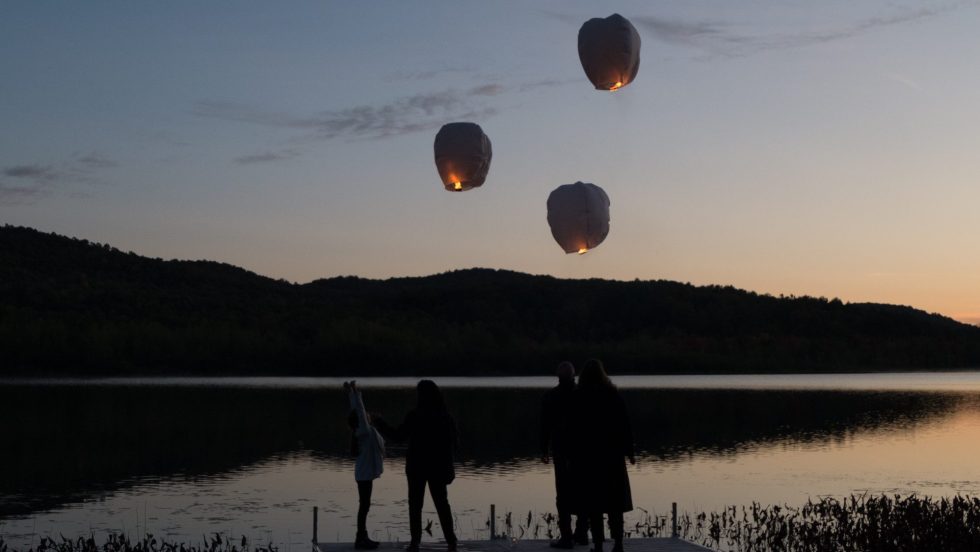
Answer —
722 41
404 115
719 39
401 116
27 182
37 173
12 194
96 161
428 74
267 157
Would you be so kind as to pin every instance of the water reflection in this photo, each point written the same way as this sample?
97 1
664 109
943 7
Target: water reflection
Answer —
256 458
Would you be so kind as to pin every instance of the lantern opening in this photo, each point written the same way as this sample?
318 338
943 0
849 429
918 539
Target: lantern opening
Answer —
457 186
617 86
583 250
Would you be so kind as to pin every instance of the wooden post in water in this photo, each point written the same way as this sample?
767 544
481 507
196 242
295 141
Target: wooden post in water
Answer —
315 512
493 521
673 520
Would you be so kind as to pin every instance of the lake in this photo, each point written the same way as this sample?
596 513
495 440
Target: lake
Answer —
179 457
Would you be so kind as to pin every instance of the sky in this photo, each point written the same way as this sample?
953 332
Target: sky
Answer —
785 147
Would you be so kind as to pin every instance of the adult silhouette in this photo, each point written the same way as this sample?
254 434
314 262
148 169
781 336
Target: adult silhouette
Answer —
557 438
603 486
430 432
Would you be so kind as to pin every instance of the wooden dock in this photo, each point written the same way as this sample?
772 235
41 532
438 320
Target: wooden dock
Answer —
505 545
664 544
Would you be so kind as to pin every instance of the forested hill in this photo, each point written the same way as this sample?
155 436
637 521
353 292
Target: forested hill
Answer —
69 306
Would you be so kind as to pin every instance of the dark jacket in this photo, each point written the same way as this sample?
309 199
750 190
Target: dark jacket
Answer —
557 433
432 441
605 440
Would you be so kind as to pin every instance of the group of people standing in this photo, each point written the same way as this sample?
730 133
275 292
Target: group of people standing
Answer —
585 433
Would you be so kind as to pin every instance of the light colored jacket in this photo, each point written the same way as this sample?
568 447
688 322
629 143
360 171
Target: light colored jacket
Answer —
370 444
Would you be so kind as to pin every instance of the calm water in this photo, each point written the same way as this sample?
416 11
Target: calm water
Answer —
182 457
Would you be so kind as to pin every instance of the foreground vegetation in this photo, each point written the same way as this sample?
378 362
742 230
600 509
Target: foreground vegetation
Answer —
857 524
72 307
149 543
867 523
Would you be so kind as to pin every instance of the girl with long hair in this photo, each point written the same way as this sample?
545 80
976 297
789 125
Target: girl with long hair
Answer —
369 448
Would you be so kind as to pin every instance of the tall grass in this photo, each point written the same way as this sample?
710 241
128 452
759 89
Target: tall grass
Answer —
149 543
878 523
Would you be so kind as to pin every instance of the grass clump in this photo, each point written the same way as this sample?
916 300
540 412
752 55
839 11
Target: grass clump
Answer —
149 543
878 523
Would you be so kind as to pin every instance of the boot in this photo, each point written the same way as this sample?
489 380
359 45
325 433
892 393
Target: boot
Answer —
362 542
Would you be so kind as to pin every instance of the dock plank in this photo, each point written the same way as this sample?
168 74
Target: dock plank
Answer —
504 545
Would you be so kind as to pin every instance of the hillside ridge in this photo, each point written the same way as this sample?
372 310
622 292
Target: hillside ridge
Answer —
70 306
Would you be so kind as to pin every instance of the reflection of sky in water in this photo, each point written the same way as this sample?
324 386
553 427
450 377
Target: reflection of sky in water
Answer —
271 500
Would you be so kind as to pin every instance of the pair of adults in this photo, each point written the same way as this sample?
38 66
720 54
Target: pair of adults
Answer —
585 430
430 433
586 434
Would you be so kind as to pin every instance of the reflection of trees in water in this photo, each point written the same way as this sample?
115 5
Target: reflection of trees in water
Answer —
63 444
723 422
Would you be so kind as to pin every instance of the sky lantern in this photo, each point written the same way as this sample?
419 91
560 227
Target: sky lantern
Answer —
610 51
578 215
463 155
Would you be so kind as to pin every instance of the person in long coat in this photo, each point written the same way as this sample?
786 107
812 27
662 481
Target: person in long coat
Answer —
599 457
431 434
557 439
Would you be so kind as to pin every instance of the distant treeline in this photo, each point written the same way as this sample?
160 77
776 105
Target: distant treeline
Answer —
69 306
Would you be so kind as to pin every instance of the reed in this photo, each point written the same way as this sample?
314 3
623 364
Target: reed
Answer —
149 543
866 523
877 523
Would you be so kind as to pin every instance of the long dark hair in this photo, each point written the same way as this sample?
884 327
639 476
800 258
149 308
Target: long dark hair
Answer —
353 422
430 399
594 376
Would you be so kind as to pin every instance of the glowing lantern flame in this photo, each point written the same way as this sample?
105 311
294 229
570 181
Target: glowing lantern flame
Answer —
583 250
617 86
458 185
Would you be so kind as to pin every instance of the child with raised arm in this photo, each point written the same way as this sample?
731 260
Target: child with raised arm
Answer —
370 452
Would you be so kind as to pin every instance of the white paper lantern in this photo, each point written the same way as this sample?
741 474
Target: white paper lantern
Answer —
578 215
463 154
609 50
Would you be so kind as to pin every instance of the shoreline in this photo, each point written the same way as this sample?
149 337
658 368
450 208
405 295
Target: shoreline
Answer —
946 380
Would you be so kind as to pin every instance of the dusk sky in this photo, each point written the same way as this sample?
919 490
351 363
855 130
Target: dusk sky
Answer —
792 147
